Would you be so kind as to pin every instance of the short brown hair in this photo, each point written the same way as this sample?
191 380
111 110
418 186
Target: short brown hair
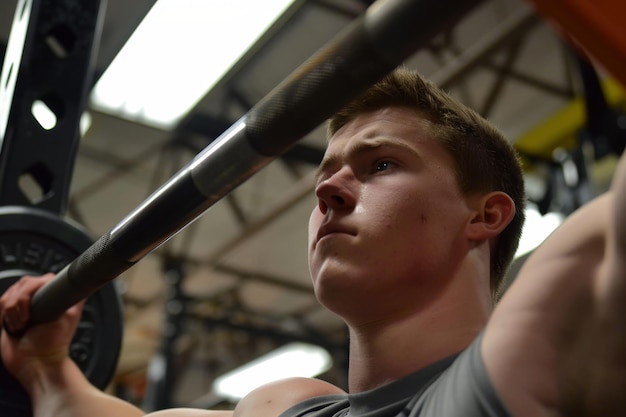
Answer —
485 160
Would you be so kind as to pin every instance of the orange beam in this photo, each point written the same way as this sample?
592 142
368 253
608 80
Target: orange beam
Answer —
598 26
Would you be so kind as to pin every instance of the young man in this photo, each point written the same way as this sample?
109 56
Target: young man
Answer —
420 207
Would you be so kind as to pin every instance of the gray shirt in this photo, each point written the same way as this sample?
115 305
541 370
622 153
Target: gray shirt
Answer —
457 386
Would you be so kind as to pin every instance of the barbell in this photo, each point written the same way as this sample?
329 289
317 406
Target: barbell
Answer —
388 33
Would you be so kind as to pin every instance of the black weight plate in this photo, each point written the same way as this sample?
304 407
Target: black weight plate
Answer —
33 242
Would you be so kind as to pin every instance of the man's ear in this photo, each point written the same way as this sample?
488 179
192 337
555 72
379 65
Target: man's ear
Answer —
494 211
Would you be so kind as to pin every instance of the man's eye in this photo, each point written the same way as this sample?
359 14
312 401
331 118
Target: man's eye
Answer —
383 165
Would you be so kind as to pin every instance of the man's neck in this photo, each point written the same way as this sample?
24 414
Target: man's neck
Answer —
389 349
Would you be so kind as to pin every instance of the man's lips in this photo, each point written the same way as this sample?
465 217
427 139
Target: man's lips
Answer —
329 229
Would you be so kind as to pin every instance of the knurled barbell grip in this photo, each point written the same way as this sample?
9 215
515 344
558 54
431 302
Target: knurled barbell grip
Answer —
90 271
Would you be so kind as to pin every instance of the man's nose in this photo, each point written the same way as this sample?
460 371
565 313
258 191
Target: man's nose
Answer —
338 192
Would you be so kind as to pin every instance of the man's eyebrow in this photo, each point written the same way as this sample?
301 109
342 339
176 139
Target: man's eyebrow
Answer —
363 147
325 165
358 148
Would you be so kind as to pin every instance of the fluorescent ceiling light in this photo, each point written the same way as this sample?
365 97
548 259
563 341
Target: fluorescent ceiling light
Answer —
536 229
178 53
294 359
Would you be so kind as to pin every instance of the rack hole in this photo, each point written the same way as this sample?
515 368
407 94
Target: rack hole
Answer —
48 110
61 40
44 115
35 183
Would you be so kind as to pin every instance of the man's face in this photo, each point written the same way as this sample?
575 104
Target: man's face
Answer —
390 218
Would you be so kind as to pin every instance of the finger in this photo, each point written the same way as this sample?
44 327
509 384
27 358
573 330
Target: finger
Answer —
8 303
76 310
12 320
15 303
11 308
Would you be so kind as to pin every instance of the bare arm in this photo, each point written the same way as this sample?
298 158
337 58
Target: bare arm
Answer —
63 391
606 371
269 400
76 397
60 389
617 235
273 399
556 343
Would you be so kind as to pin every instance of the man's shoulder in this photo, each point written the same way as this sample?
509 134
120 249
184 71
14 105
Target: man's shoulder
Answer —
273 399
